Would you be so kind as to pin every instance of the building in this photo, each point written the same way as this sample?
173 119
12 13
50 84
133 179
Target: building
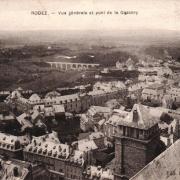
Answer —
136 142
111 125
8 123
88 147
50 153
91 118
62 161
74 103
94 172
164 166
119 65
174 93
10 146
153 92
137 88
167 101
98 138
130 64
75 166
12 169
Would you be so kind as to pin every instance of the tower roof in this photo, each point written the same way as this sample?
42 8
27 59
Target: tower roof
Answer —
139 117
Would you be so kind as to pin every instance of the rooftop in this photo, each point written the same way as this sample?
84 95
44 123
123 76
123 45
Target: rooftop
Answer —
34 97
77 157
156 86
144 119
86 145
96 172
10 142
96 135
98 109
6 117
22 119
48 148
13 170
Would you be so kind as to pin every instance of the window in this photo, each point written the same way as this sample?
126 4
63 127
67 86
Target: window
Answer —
124 130
141 132
137 133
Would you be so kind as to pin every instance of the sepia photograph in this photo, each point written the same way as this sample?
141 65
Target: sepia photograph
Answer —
89 90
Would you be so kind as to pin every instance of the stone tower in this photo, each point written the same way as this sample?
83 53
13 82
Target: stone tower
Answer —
136 142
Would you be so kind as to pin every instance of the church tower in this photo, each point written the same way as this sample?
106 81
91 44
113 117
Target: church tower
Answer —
136 142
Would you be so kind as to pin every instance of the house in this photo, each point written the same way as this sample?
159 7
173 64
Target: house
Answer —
98 138
10 146
97 172
174 93
111 125
153 92
91 118
13 169
137 141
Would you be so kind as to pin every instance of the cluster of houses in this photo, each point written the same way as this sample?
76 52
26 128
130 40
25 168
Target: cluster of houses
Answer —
76 103
112 141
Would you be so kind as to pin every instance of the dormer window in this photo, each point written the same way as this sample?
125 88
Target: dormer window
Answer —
45 151
40 150
35 149
30 149
50 153
55 154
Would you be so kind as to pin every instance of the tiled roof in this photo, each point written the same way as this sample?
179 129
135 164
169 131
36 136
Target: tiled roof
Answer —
77 157
53 94
145 119
86 145
23 121
9 142
34 97
96 135
48 148
98 109
156 86
7 171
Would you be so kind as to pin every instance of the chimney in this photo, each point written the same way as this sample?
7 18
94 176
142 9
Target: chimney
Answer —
135 116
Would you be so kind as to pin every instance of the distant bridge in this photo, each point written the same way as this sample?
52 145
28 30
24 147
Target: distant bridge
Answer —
72 66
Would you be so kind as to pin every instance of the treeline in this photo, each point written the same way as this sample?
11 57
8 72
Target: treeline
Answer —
20 53
105 59
162 52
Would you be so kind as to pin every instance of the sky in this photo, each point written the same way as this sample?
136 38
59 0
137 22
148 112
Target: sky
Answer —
152 14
